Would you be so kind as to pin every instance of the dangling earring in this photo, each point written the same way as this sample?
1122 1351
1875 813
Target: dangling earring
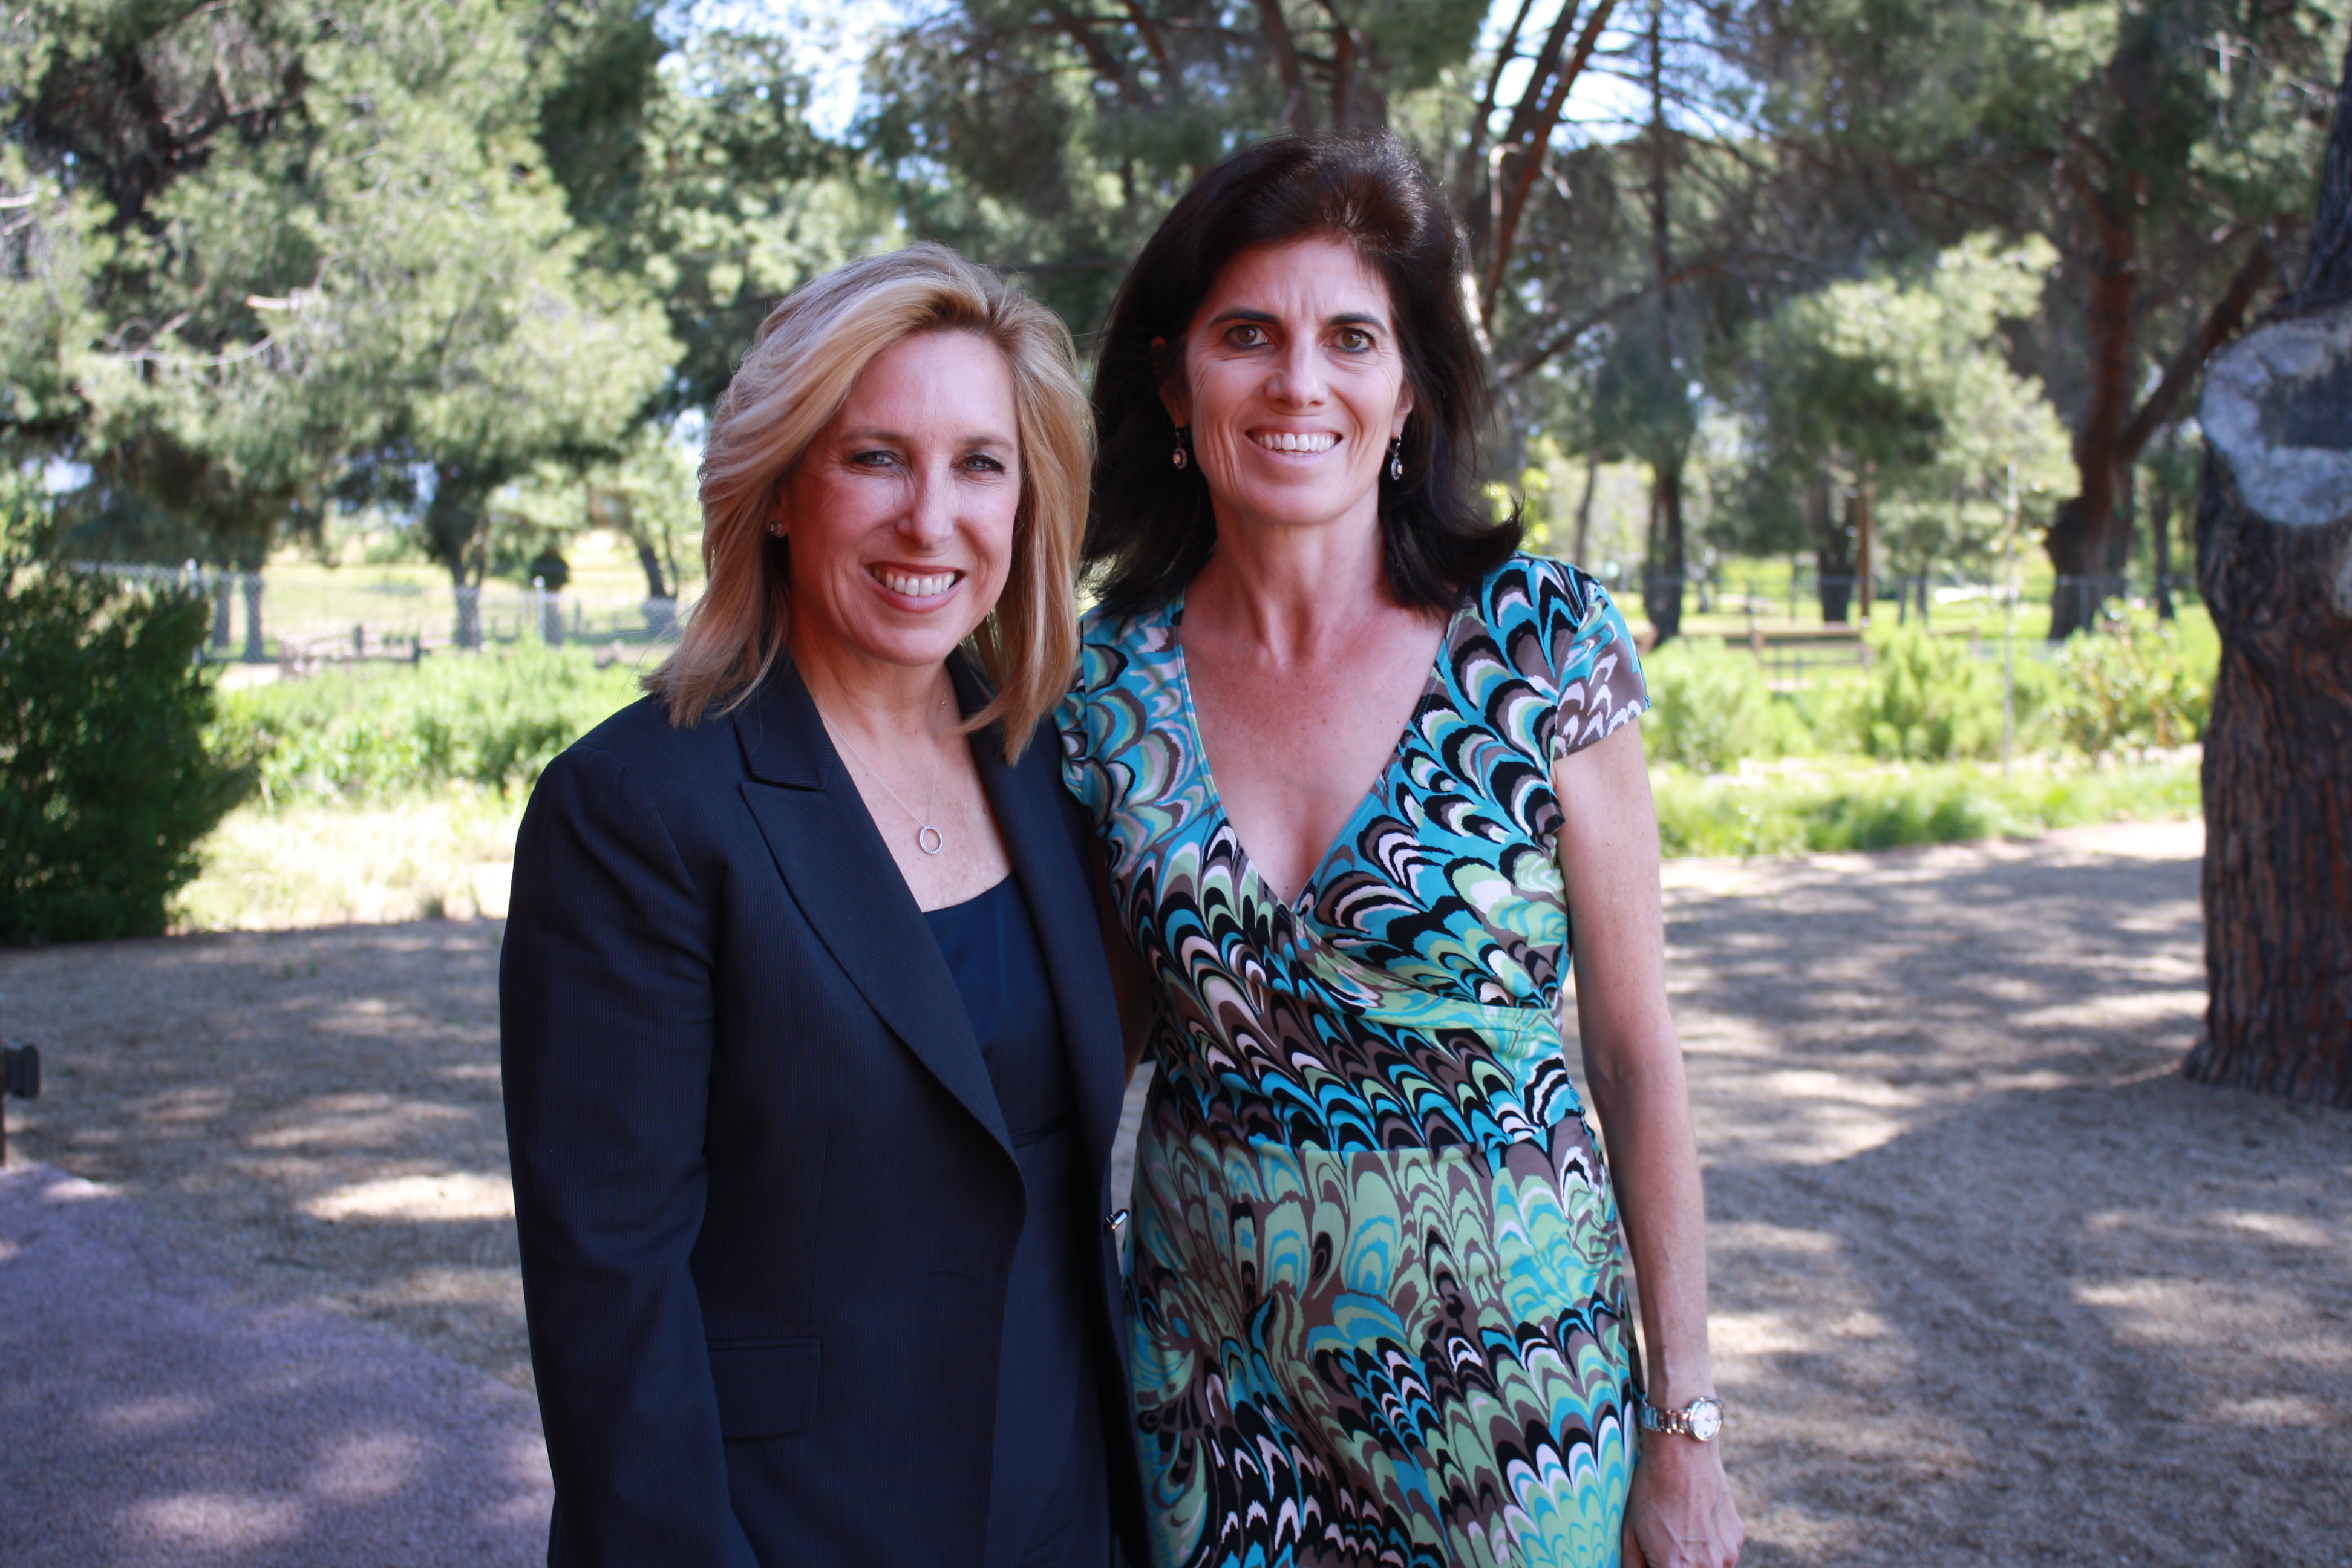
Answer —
1178 458
1396 458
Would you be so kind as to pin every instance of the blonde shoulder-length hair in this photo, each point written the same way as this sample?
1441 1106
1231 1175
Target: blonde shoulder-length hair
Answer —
808 352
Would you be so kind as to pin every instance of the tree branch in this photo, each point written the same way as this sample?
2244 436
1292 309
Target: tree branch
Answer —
2327 277
1530 154
1542 353
2220 325
1474 148
1107 66
1285 61
1546 60
1153 39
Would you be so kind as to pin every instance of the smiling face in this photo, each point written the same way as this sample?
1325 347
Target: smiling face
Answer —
901 512
1294 384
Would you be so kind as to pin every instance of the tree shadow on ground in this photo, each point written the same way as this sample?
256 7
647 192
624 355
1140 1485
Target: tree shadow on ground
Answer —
1992 1283
315 1113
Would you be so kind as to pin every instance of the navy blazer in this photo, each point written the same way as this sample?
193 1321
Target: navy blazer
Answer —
767 1200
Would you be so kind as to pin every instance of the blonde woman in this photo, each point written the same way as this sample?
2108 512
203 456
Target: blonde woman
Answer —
812 1061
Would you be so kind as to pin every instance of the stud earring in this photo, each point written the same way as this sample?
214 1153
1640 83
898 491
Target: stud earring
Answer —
1396 458
1178 456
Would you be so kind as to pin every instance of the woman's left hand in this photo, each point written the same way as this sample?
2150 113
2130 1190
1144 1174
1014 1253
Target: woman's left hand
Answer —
1680 1514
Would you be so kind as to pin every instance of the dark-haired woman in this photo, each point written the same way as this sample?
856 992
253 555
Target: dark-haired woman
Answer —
1356 763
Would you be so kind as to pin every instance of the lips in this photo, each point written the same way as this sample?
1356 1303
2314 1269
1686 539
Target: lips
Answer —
1308 442
917 585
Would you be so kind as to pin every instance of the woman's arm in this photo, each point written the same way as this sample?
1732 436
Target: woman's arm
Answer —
1680 1514
605 1020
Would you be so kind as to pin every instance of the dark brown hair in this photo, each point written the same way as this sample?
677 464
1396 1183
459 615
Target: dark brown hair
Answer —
1150 527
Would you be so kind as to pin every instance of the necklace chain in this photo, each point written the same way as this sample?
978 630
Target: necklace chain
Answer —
928 837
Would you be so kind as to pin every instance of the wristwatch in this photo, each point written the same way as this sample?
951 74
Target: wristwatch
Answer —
1702 1418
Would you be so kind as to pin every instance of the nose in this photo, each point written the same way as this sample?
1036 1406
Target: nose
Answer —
1297 380
929 516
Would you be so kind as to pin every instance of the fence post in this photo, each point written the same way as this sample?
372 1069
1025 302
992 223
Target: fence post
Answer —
255 653
548 609
223 589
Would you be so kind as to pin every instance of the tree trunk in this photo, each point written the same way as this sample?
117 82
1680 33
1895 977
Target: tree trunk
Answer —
1832 556
1662 586
655 587
2078 541
2274 562
2278 793
2159 541
1584 511
256 651
1865 503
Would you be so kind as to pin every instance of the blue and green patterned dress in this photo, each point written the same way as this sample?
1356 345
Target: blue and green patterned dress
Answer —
1378 1308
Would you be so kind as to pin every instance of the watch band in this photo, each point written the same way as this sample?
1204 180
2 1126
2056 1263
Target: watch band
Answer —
1701 1419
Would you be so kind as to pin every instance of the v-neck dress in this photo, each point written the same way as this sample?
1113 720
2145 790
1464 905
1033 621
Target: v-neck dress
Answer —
1377 1310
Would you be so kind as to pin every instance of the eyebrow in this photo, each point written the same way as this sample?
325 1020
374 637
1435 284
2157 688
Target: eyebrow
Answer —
1346 319
975 439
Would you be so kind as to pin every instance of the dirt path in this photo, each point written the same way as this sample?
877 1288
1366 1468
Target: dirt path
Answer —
1991 1285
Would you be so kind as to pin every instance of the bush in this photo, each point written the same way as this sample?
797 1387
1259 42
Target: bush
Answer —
1710 707
2137 685
492 719
1925 699
1882 807
106 785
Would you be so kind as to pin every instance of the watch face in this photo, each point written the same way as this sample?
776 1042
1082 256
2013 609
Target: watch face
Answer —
1705 1419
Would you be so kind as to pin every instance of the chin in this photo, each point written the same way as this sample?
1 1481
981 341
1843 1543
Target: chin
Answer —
1301 511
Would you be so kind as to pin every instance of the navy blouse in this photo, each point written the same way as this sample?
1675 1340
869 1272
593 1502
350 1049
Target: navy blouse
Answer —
1048 1497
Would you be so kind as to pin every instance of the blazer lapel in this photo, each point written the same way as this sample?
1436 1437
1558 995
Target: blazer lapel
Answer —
842 877
1058 885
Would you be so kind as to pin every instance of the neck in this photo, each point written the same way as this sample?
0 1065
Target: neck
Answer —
881 704
1291 587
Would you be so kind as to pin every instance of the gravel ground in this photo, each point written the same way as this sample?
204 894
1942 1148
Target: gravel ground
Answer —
1992 1284
153 1414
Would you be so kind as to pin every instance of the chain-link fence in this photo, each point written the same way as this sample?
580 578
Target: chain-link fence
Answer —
303 618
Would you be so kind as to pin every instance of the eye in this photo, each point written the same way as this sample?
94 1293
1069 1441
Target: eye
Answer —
981 463
1247 336
1353 339
880 457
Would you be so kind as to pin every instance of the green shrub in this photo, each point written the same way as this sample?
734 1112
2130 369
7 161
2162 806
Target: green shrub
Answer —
1925 699
492 719
1711 709
1879 807
2134 684
106 785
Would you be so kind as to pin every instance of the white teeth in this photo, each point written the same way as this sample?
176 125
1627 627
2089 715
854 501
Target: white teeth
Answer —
1294 441
917 587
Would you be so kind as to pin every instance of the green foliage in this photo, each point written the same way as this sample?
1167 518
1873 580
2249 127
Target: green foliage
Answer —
106 786
1921 698
1902 380
1710 707
1884 807
333 259
1925 699
1054 141
2137 684
492 719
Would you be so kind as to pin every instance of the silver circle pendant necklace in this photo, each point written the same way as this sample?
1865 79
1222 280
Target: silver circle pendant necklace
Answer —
928 837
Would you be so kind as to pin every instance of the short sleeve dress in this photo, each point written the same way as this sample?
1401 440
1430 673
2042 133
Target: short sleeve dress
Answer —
1378 1311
